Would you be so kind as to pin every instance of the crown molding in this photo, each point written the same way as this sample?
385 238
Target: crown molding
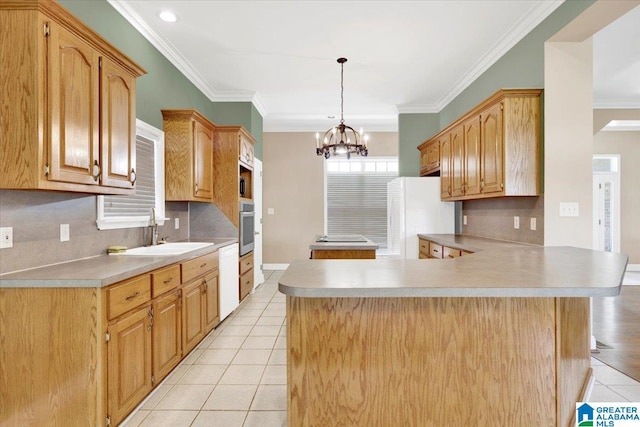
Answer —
129 12
516 33
622 104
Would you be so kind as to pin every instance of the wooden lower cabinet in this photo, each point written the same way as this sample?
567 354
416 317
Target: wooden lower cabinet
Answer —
166 334
192 325
129 362
211 309
246 275
432 250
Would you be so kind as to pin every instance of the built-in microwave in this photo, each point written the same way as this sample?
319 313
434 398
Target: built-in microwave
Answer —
247 218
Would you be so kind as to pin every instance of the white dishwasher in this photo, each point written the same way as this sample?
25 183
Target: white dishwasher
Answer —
229 294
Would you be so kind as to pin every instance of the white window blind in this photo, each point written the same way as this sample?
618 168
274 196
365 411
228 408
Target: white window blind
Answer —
356 196
126 211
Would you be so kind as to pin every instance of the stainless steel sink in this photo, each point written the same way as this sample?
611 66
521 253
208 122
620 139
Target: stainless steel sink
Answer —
166 249
341 238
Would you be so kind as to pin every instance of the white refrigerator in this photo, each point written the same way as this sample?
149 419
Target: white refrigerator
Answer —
413 207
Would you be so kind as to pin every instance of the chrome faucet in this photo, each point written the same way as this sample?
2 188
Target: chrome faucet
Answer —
153 226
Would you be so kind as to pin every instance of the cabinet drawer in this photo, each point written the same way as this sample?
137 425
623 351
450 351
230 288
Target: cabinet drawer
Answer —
423 247
164 280
435 250
198 266
246 283
448 252
128 295
246 263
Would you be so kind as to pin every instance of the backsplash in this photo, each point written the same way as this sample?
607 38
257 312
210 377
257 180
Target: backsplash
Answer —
494 218
36 217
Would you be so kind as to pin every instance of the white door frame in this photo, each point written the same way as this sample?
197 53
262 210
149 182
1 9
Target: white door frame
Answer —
258 274
599 179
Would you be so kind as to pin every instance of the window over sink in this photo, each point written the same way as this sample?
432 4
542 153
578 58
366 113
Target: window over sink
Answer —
135 210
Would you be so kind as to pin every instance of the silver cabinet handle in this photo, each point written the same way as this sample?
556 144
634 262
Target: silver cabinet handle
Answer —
95 172
132 176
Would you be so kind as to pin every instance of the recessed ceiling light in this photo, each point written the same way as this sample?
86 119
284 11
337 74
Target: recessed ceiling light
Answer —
168 16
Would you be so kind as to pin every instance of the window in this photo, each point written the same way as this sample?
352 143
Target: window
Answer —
356 196
134 211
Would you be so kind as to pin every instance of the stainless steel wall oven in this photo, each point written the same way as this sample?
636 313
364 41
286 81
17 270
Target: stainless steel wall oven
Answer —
247 218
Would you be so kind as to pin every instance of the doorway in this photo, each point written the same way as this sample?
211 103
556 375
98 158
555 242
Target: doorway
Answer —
606 202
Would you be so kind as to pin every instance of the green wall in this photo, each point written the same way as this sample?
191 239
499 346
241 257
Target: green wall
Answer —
521 67
413 130
164 86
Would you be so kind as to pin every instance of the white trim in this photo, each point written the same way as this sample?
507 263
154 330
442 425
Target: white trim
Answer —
157 136
418 108
164 46
516 33
633 267
616 103
269 267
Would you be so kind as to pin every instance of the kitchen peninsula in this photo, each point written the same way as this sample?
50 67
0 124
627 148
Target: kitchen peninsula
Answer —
345 246
499 337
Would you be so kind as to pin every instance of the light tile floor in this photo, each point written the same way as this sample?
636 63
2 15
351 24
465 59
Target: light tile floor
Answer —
237 376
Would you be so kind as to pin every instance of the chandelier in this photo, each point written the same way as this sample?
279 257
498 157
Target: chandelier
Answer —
342 139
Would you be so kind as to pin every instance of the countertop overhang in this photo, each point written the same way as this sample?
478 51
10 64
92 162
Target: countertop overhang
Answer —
512 270
101 270
364 244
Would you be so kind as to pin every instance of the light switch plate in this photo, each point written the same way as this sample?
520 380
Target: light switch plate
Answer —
64 232
176 223
516 222
533 224
6 237
569 209
270 211
464 220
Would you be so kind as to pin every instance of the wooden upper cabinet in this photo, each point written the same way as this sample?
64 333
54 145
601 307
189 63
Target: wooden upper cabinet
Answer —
72 122
494 149
457 161
233 149
118 107
429 157
188 146
491 163
445 166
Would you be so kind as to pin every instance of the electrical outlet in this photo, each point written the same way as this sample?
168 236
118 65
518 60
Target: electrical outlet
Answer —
64 232
6 237
176 223
533 224
516 222
464 220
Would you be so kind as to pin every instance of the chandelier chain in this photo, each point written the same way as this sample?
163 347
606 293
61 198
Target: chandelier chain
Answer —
342 93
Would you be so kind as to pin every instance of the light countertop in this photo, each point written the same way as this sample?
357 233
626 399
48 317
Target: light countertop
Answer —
495 269
100 271
342 242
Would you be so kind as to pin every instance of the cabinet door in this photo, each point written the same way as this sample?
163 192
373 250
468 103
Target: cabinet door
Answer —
211 312
129 363
117 97
73 108
472 156
167 334
445 167
433 156
202 161
424 161
457 161
192 324
492 165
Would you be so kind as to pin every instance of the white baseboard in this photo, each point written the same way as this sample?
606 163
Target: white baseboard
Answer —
275 266
633 267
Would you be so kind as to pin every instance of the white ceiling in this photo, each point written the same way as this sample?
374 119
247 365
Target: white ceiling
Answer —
404 56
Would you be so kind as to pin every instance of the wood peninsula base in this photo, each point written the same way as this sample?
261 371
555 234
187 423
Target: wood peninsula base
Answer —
343 254
436 361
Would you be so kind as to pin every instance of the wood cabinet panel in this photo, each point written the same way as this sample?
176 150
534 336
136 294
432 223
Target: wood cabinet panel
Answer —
457 161
74 121
129 363
192 316
429 157
472 152
118 108
128 295
164 280
167 334
188 156
246 284
435 250
199 266
448 252
492 154
211 308
62 99
246 263
445 166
